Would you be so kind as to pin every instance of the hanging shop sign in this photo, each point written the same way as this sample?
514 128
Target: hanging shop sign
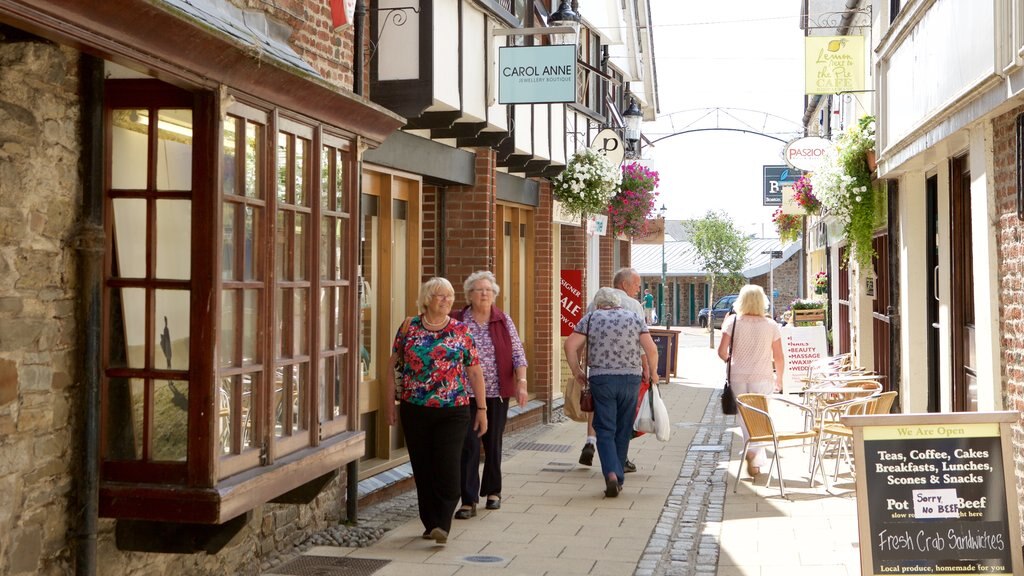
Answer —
607 142
807 153
775 179
536 74
936 493
342 12
654 232
833 64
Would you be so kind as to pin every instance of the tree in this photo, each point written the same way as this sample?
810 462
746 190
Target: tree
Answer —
721 251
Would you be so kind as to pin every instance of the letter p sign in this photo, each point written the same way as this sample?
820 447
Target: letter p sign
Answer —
607 142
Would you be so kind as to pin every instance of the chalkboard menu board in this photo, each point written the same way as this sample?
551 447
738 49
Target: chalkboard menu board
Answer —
667 342
935 494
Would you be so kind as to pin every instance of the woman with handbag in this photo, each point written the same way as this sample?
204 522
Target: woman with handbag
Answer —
614 338
504 365
436 363
751 343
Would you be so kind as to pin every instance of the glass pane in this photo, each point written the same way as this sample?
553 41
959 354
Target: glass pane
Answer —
170 420
250 324
281 244
282 168
174 239
325 177
339 182
252 244
301 179
282 335
129 238
367 297
229 154
326 252
228 326
335 381
172 315
300 259
326 308
339 260
227 257
174 150
283 382
341 316
253 161
127 328
128 157
249 383
321 388
125 403
300 321
225 394
300 402
399 263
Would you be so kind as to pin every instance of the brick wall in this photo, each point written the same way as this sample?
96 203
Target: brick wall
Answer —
1010 235
468 235
607 245
329 52
545 302
431 263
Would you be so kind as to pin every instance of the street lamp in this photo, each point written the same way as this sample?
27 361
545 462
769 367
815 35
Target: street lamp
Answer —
632 118
565 16
664 268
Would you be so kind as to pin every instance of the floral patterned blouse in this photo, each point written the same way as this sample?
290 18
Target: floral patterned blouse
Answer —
432 365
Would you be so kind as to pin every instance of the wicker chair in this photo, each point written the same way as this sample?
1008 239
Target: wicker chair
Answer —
754 409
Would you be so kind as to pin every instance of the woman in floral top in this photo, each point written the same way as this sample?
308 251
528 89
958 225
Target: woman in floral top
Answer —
436 363
504 365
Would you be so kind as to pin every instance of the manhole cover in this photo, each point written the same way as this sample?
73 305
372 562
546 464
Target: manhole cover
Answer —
330 566
481 559
707 448
541 447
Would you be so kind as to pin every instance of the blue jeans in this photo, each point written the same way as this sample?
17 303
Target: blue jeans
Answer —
614 412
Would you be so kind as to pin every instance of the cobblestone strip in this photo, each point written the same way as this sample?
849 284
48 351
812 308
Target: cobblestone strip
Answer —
685 541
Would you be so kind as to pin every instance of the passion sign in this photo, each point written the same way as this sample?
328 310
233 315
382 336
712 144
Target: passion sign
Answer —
807 153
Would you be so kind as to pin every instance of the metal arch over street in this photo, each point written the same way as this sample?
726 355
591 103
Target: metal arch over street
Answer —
731 120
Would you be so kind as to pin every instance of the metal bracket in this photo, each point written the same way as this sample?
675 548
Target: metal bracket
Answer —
833 20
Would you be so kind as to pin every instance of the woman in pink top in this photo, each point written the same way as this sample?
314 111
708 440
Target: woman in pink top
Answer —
756 345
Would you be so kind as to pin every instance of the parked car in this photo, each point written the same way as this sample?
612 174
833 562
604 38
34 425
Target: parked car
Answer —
721 309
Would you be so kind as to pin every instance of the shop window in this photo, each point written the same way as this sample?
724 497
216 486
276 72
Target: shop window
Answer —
227 302
515 227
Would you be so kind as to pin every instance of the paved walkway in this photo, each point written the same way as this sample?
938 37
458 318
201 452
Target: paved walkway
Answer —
677 515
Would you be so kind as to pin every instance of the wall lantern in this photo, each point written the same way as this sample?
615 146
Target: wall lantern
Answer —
562 17
632 118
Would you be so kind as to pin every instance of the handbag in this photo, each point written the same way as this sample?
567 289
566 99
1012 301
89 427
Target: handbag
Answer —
586 399
573 395
728 398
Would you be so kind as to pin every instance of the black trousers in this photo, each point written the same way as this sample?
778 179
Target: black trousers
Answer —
434 437
473 486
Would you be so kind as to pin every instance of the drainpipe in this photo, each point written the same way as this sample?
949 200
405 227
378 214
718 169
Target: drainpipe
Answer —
352 468
90 244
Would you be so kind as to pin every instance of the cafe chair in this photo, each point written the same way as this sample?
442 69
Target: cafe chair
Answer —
834 435
754 410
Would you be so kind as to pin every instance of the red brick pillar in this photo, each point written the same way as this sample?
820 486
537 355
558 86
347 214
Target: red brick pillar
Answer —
468 234
545 301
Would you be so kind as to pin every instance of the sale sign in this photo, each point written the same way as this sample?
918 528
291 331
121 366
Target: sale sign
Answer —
802 346
571 300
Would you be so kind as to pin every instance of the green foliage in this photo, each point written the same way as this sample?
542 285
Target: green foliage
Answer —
721 247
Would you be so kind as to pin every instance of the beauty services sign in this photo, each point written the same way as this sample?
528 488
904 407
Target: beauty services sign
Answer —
536 74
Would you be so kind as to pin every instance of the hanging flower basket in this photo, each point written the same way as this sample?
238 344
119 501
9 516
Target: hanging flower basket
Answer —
803 194
587 184
843 185
787 225
632 204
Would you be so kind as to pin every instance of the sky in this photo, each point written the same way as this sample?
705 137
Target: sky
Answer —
742 55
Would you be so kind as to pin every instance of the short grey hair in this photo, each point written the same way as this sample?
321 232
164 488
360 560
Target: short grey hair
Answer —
623 275
607 297
477 276
436 285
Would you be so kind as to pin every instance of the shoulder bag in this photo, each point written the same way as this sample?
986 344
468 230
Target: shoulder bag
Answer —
586 400
728 398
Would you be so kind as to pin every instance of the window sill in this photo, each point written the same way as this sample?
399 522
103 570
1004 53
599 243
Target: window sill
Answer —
235 495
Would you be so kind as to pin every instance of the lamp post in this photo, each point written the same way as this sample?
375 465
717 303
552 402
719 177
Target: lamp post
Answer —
664 269
632 118
565 16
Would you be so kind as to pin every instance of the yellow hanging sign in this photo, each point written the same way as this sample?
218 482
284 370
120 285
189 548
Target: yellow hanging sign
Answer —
833 64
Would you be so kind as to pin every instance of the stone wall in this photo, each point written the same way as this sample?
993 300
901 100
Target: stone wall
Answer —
40 191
